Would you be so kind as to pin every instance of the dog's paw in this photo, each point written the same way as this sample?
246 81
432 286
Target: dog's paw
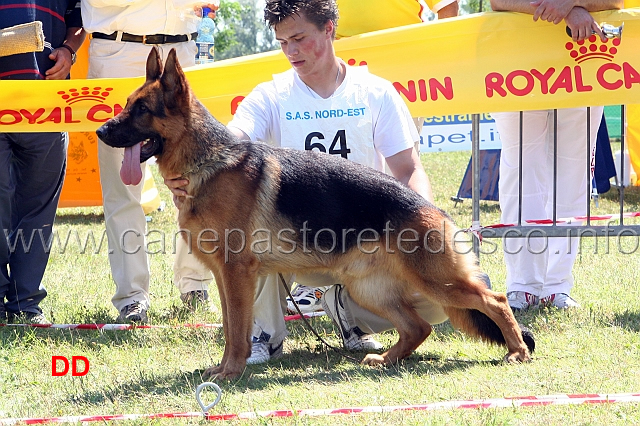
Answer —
517 357
220 373
210 373
373 360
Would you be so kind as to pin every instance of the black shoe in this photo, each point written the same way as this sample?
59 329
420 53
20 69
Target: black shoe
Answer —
3 313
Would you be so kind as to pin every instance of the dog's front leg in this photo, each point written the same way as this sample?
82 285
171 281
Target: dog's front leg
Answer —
212 371
237 294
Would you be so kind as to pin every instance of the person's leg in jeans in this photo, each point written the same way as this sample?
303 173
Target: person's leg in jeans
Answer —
31 184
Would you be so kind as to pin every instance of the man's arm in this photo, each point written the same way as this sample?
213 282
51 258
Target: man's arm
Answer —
553 8
522 6
407 168
449 11
557 10
574 12
240 134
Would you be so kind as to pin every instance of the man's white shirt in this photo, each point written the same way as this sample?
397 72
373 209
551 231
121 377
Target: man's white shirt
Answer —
365 120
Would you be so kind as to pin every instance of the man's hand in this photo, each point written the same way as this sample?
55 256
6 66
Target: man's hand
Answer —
582 24
552 10
60 70
176 185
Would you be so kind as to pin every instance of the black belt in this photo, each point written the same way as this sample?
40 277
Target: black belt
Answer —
148 39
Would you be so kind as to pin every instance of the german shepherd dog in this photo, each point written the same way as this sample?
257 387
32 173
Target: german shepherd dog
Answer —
380 239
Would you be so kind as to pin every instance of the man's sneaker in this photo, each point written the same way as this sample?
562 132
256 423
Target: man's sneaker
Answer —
560 301
353 339
363 343
197 299
307 298
262 352
135 312
521 300
28 318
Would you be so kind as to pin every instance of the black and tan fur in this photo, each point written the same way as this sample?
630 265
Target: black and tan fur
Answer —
249 186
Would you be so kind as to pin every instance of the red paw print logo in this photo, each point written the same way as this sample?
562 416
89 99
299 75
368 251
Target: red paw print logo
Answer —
593 48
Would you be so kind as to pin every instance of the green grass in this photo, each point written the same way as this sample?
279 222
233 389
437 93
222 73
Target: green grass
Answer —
594 349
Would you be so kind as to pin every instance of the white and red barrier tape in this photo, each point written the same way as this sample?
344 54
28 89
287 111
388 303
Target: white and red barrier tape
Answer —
521 401
568 220
109 327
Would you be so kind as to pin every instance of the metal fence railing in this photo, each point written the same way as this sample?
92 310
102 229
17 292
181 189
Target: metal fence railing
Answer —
519 230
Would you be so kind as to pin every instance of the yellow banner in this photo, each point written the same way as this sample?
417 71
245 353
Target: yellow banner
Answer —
472 64
633 139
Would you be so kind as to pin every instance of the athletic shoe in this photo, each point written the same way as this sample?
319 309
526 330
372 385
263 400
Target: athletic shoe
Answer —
307 298
135 312
28 318
262 352
560 301
352 339
194 300
521 300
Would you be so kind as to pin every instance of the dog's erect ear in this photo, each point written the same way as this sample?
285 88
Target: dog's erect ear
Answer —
173 81
154 65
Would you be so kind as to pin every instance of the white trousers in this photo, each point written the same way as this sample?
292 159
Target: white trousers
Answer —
124 218
542 266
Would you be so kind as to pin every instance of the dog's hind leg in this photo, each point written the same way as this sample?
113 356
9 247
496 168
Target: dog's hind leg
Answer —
412 331
486 314
384 298
452 278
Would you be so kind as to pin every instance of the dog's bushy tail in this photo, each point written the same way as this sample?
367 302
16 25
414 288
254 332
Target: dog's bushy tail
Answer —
477 324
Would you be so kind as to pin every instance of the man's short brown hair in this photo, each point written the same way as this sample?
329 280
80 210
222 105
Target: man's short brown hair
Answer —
317 12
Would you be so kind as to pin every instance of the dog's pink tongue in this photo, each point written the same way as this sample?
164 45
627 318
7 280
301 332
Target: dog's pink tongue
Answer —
131 172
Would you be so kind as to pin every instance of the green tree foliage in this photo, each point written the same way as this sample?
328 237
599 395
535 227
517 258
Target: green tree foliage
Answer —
468 7
240 29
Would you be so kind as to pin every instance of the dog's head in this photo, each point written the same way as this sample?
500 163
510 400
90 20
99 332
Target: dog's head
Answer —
153 116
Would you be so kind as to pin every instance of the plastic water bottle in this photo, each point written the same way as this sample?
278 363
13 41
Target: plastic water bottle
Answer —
205 41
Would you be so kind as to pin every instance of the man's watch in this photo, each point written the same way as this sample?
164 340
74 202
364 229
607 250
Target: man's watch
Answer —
73 53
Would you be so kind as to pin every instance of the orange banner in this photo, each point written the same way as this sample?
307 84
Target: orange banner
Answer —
82 183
